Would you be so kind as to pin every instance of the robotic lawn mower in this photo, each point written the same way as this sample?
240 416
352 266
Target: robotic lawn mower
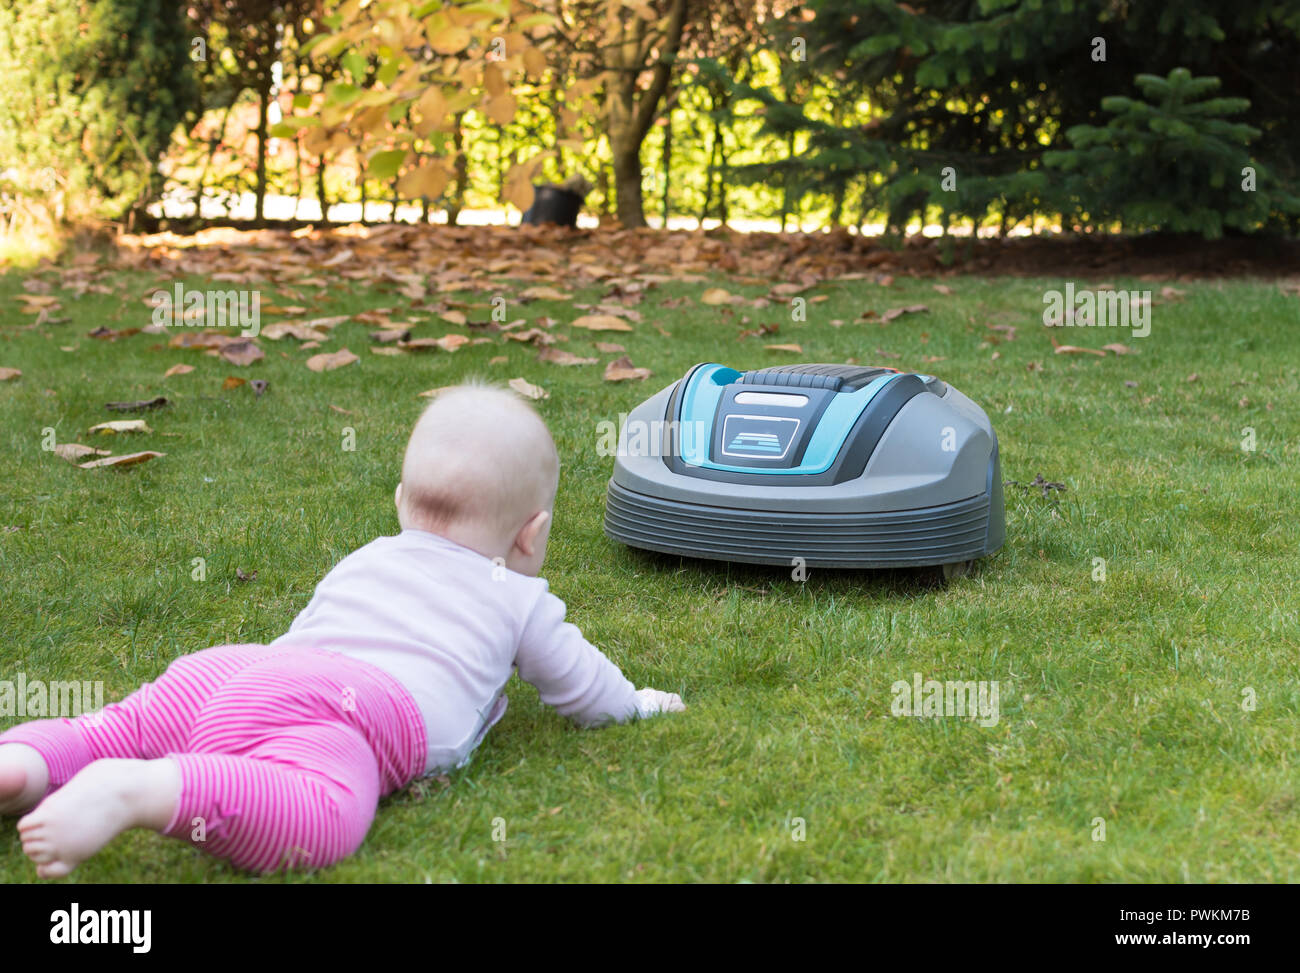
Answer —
841 465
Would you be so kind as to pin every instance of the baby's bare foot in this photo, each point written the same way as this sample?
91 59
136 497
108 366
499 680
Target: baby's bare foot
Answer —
106 798
23 777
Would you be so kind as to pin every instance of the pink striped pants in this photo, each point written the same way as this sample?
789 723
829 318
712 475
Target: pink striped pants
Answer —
283 753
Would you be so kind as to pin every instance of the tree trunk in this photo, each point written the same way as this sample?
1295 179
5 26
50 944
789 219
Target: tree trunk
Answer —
320 190
629 113
263 98
456 202
667 161
627 184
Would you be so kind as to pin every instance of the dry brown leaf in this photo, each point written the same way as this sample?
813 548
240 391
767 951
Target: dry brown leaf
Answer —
75 451
715 296
130 459
498 360
608 348
9 374
243 352
527 390
138 405
326 323
534 336
120 425
232 382
601 322
622 370
328 361
448 342
895 312
795 349
943 289
1076 350
296 329
544 293
558 356
1118 349
388 351
181 369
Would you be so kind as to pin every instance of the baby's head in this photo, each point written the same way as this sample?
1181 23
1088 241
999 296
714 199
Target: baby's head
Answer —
481 469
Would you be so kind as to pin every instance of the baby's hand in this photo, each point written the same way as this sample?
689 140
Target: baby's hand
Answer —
651 701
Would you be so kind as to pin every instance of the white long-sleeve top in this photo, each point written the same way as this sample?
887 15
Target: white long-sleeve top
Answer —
449 624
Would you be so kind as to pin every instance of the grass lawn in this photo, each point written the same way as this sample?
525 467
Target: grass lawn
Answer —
1121 699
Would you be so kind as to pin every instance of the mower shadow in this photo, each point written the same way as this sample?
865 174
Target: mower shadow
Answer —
713 576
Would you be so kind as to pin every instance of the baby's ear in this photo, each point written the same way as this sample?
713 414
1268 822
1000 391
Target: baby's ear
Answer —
527 538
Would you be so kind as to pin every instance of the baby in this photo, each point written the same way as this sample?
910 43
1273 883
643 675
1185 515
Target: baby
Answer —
276 755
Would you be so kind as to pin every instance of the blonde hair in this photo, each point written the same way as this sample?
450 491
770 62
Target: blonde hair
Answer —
478 454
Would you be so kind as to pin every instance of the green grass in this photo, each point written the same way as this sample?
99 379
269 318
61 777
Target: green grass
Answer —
1120 699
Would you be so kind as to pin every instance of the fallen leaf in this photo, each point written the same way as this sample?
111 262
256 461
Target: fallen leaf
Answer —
130 459
601 322
558 356
448 342
794 349
243 352
498 360
390 335
138 406
527 390
121 425
607 348
9 374
543 293
326 323
434 393
328 361
232 382
1034 366
622 370
108 334
1076 350
339 408
1118 348
259 385
534 336
943 289
715 296
895 312
1194 377
241 576
75 451
295 329
181 369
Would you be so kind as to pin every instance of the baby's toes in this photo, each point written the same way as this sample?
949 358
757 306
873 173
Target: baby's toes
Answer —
54 870
39 851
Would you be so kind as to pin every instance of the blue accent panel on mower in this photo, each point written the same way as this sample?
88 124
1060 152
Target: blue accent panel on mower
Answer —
713 425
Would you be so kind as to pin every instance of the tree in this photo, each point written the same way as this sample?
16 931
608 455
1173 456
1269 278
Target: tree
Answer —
93 92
